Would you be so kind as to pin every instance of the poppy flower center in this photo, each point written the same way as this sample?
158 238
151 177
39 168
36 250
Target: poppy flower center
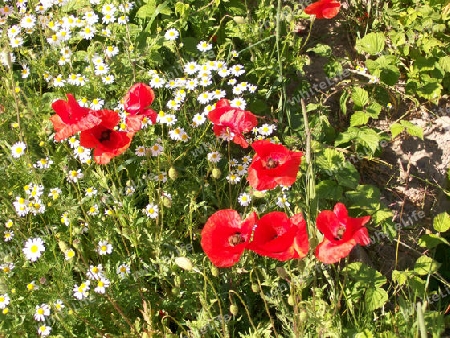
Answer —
105 135
340 233
236 239
271 163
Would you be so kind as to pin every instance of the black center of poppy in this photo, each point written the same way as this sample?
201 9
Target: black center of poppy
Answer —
236 239
271 163
340 233
105 135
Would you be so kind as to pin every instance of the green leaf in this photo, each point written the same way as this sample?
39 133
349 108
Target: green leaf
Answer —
365 274
385 67
375 298
343 101
400 277
412 129
365 334
365 197
372 43
366 137
381 215
359 118
330 160
396 129
146 11
328 189
348 176
441 222
321 49
431 241
425 265
444 62
360 97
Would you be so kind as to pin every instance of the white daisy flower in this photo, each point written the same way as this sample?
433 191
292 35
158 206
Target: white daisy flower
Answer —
244 199
18 149
33 248
44 330
4 301
102 284
42 311
104 248
172 34
82 291
123 270
95 272
151 210
204 46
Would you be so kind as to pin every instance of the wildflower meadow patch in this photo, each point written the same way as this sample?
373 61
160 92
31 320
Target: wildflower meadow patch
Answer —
164 175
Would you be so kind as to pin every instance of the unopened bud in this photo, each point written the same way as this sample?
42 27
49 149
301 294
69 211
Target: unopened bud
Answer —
234 309
215 271
239 20
216 173
173 174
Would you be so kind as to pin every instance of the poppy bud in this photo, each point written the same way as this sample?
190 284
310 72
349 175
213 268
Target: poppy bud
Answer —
216 173
173 173
259 194
234 309
63 246
184 263
239 20
291 300
167 202
255 287
215 271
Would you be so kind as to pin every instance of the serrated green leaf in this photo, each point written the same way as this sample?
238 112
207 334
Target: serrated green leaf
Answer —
444 62
365 274
412 129
431 241
359 118
343 101
366 197
441 222
400 277
375 298
360 97
372 43
330 160
146 11
348 176
381 215
328 189
396 129
321 49
425 265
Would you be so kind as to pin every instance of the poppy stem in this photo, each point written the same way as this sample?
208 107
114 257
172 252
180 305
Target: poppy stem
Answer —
311 200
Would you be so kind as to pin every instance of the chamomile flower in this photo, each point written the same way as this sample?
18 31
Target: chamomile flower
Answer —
191 84
42 311
108 79
91 191
4 300
205 97
28 21
282 202
16 42
90 17
173 105
25 72
95 272
161 177
74 175
238 103
82 291
151 210
21 206
172 34
43 163
237 70
140 151
218 94
97 104
93 210
123 270
54 193
241 169
9 223
233 178
18 149
69 254
198 119
104 248
44 330
32 286
8 235
247 159
122 20
191 68
214 157
101 69
102 284
266 129
59 305
7 268
176 134
204 46
33 248
156 149
58 81
244 199
111 51
87 32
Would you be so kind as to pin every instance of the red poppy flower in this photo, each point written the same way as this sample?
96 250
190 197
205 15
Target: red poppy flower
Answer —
324 9
273 165
280 237
341 233
230 122
225 236
71 118
106 141
136 102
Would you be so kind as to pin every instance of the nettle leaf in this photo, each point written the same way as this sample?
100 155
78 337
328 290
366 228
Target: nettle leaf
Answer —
348 176
400 277
373 109
430 90
431 241
426 265
372 43
444 62
366 197
375 298
412 129
321 49
360 97
396 129
330 160
365 274
328 189
441 222
385 67
147 10
359 118
366 137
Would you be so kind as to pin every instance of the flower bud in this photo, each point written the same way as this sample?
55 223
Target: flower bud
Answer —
173 173
239 20
216 173
184 263
215 271
234 309
255 287
291 300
